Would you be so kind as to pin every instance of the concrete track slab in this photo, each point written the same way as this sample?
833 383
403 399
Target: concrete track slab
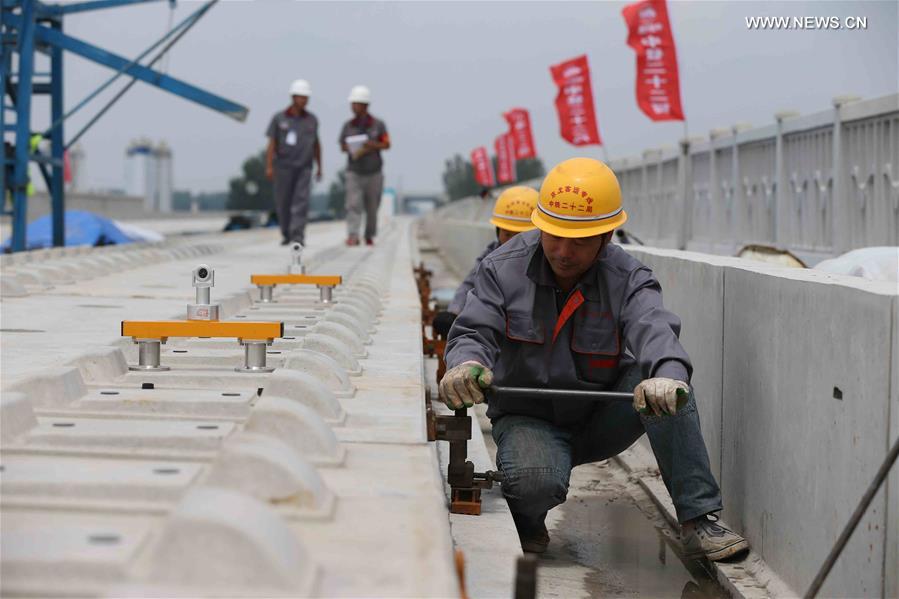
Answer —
386 531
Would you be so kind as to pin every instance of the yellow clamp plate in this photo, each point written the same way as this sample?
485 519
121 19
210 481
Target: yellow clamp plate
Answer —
329 280
160 329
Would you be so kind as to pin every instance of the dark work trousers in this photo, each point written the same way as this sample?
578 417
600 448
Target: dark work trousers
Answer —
292 186
537 456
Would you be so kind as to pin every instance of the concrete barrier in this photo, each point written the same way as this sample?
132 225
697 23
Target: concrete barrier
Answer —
793 374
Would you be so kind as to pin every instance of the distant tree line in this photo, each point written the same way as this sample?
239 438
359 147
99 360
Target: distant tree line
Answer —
253 191
459 181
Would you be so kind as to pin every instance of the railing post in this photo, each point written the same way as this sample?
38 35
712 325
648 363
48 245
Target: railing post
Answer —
781 211
717 222
840 217
684 186
739 232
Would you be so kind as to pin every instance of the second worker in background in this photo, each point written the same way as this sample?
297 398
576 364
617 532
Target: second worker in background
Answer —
363 138
292 147
511 215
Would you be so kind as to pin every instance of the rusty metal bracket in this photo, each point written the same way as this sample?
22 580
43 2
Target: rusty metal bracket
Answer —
465 484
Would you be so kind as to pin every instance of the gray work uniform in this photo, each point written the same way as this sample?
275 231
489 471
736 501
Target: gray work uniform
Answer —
468 283
295 137
609 332
364 179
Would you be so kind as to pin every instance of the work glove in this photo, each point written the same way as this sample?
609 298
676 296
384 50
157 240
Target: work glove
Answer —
442 322
660 394
463 384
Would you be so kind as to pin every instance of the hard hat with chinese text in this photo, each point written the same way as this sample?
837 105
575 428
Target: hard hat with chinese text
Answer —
580 197
513 208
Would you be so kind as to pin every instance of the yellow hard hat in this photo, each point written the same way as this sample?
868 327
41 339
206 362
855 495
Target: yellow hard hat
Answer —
513 207
580 197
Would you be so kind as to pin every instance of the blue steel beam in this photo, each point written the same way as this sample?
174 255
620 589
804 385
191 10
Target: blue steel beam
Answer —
23 125
183 25
114 61
57 10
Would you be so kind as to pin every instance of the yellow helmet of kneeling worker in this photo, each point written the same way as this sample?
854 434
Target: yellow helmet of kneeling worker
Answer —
513 208
580 197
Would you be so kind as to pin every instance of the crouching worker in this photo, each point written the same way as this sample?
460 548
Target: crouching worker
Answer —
562 308
511 215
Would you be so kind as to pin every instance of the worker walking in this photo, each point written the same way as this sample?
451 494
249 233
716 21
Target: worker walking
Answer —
292 147
363 138
511 216
560 307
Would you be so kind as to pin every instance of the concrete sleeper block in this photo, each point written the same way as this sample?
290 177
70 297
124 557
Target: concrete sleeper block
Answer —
102 365
16 416
218 539
350 323
271 471
369 284
53 276
298 426
236 303
366 292
322 367
371 315
55 388
11 286
305 389
342 334
335 349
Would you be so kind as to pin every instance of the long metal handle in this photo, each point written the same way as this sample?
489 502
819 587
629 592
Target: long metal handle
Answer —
547 394
537 393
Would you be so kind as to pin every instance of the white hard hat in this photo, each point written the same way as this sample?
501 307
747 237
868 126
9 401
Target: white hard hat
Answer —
360 94
300 87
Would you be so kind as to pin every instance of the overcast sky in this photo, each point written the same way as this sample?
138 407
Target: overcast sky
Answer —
441 74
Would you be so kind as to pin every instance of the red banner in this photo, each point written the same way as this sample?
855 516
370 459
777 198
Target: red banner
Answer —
505 158
483 168
520 127
658 85
577 119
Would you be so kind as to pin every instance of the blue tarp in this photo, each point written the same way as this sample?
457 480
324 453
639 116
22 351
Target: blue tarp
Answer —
82 228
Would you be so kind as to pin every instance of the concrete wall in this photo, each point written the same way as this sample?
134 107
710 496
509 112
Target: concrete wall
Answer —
772 347
110 206
461 231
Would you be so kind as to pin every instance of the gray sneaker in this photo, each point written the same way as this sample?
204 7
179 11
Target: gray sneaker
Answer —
711 540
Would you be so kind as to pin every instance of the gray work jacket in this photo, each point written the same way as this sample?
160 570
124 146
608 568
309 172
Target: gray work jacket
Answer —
462 292
295 136
612 319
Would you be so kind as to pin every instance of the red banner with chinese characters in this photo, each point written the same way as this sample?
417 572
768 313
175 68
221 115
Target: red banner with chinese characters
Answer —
520 128
658 85
574 103
483 168
504 146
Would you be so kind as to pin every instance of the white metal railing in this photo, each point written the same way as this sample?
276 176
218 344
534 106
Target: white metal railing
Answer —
818 185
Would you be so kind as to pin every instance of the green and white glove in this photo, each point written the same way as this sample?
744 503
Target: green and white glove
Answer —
660 394
462 385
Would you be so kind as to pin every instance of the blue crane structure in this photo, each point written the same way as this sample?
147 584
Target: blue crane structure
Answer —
29 26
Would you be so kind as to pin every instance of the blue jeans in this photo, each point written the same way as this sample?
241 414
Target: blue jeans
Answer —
537 456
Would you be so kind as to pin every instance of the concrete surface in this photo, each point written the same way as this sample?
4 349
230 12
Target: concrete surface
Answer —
309 482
